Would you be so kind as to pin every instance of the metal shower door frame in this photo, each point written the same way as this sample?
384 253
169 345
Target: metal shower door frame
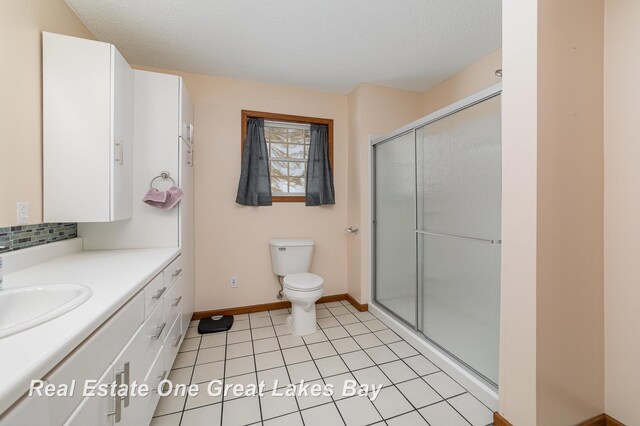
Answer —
449 110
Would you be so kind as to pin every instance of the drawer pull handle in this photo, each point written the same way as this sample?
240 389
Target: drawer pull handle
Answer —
117 412
163 375
177 302
160 378
159 293
177 272
177 342
159 332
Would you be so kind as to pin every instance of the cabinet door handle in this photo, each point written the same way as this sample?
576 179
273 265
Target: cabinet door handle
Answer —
159 293
177 302
117 411
177 272
119 153
159 332
175 345
127 380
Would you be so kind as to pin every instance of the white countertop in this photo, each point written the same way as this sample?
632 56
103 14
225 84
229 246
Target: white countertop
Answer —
114 276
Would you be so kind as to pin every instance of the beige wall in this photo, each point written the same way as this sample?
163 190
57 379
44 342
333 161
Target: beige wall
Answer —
475 77
570 322
373 110
552 345
233 240
622 210
21 23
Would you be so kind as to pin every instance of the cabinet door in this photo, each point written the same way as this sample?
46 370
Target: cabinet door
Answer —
89 360
132 365
30 410
98 410
87 131
122 137
76 93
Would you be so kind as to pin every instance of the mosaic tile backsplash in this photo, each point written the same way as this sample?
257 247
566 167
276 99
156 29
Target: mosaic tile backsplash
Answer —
19 237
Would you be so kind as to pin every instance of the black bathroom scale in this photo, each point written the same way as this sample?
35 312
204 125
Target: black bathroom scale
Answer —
215 324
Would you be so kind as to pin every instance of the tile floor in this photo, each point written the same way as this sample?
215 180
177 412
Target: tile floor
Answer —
348 345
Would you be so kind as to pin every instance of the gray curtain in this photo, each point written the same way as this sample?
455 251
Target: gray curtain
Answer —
254 188
319 177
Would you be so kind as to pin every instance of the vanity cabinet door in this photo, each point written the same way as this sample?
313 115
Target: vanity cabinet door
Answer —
28 411
132 365
98 410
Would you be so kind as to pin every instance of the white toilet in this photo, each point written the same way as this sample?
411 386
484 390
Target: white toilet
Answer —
291 259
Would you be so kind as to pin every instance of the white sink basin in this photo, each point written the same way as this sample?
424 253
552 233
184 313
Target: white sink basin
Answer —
26 307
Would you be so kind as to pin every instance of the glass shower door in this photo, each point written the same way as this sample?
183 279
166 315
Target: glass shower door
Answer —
394 226
458 234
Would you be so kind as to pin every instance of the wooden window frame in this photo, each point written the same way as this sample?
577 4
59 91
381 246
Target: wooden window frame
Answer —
290 119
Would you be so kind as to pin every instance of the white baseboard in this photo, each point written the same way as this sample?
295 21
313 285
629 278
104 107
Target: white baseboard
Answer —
476 387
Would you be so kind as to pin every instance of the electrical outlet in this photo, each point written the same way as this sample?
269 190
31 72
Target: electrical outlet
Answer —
233 281
22 213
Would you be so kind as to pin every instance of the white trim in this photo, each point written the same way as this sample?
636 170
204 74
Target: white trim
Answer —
476 98
484 393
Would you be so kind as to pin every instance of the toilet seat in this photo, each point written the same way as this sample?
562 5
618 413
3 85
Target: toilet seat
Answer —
303 282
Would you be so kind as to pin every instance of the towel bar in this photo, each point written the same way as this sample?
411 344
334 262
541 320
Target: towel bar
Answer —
163 175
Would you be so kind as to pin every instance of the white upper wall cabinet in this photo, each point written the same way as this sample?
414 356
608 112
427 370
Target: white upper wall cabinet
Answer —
87 131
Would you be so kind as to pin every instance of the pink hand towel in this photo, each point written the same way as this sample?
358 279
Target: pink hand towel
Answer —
155 198
174 195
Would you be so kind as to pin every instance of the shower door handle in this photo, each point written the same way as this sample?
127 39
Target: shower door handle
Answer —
460 237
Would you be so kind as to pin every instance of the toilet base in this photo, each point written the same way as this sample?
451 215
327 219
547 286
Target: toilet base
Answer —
305 321
302 320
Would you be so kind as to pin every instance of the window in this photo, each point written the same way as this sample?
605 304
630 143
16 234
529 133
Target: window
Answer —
288 138
288 147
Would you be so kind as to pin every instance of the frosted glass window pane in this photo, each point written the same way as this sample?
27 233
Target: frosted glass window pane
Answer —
395 243
459 173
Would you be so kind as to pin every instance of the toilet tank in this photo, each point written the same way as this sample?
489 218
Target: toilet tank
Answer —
291 256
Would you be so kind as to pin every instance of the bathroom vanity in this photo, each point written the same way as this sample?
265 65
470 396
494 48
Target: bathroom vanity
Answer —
128 331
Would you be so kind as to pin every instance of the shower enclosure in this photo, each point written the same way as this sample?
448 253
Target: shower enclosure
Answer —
436 229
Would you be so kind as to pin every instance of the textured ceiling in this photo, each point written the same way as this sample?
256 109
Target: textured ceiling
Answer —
329 45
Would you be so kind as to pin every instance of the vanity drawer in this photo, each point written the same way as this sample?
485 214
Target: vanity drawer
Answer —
155 331
89 360
158 372
172 344
173 301
173 271
153 293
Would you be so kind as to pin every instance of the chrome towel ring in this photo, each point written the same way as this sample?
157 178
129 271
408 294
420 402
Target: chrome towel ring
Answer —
162 175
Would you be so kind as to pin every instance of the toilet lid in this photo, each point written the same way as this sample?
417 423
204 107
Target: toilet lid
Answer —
303 282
